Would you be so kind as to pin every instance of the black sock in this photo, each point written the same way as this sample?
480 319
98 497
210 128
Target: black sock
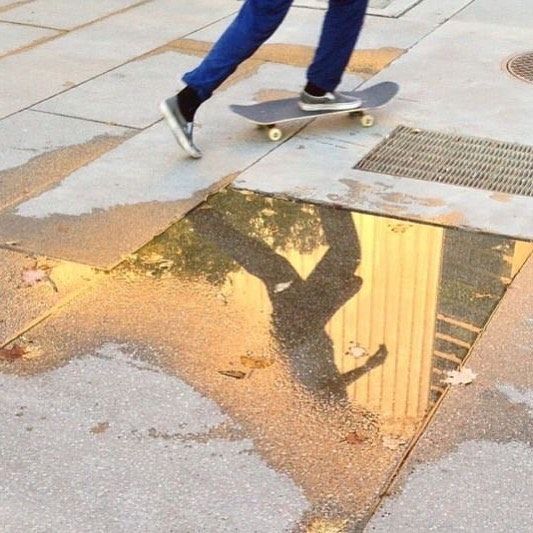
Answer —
313 90
188 103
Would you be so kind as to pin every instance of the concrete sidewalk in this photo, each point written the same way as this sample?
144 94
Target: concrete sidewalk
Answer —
472 468
89 174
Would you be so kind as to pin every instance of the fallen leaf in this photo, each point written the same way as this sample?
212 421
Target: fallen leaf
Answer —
483 296
32 351
236 374
327 525
356 351
280 287
101 427
33 276
13 353
11 243
353 438
152 259
465 376
249 361
392 443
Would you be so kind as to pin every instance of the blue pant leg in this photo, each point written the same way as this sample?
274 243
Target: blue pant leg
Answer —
255 23
341 29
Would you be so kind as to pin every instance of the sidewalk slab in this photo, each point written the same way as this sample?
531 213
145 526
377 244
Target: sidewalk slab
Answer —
51 68
116 204
302 390
472 469
22 305
451 97
139 451
129 95
59 14
39 149
518 14
436 11
383 8
14 36
303 26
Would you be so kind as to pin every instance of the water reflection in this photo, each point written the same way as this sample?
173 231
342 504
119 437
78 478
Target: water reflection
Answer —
363 309
301 307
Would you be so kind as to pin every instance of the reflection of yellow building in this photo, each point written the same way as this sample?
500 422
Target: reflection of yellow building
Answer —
396 307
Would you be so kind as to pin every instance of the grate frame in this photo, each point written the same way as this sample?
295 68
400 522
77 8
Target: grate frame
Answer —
472 162
521 66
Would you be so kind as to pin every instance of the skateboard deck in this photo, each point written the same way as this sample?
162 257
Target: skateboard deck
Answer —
274 112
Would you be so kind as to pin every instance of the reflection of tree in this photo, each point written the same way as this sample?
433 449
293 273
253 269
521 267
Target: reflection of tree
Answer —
281 223
302 310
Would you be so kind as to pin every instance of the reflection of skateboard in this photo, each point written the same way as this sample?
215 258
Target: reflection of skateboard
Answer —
268 114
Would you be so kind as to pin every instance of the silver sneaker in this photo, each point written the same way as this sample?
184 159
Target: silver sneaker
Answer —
182 130
329 102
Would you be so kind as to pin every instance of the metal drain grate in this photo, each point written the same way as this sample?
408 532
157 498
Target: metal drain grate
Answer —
521 66
454 159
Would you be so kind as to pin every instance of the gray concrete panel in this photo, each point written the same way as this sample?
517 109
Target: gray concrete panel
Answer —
39 149
128 95
60 14
117 203
49 69
113 444
14 36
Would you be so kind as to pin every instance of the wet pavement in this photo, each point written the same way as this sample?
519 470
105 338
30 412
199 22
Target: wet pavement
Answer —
318 337
471 470
262 365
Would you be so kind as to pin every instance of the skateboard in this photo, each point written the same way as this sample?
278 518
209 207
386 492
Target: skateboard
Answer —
269 114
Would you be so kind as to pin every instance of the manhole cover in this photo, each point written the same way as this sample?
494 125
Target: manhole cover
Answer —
454 159
521 66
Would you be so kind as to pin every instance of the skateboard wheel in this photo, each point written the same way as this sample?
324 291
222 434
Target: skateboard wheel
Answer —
275 134
367 121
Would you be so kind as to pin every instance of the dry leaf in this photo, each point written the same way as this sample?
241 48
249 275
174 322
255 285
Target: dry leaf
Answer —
13 353
483 296
250 361
356 351
158 261
354 438
32 351
328 525
33 276
236 374
280 287
464 376
392 443
102 427
152 259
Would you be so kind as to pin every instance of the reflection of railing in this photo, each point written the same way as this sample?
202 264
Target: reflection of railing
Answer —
493 263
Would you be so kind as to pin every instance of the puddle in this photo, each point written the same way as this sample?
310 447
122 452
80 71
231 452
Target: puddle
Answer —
326 334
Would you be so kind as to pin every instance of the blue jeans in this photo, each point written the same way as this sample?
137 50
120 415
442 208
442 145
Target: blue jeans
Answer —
258 20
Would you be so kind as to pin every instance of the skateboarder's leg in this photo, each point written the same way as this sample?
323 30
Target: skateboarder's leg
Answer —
342 25
255 23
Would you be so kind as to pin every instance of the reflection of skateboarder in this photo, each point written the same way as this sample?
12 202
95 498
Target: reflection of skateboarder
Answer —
256 22
301 311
